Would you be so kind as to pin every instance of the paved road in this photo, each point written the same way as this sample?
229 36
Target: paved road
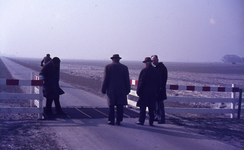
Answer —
80 134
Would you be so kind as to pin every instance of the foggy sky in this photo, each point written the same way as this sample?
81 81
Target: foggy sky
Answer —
175 30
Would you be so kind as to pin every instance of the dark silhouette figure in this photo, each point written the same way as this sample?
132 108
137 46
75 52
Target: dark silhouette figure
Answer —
116 84
163 73
147 90
51 90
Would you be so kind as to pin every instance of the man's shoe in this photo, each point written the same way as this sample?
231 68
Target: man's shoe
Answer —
161 122
139 123
118 122
151 124
111 123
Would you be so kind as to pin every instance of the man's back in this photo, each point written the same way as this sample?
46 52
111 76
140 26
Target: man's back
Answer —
116 78
148 84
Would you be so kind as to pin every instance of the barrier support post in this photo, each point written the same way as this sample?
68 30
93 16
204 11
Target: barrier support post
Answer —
32 90
40 102
239 105
233 95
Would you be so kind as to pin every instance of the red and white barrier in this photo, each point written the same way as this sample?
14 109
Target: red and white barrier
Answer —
231 100
195 88
36 90
133 82
36 77
22 96
21 82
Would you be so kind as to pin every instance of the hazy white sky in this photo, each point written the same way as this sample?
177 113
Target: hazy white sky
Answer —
175 30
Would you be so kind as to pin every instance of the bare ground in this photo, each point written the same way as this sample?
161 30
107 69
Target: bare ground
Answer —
18 128
23 131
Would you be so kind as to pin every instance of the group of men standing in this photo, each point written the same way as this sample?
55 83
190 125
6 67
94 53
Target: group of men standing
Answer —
151 89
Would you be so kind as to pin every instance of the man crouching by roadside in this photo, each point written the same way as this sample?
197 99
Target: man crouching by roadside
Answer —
116 83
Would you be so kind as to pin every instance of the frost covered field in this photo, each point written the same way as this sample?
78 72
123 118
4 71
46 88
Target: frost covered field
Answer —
179 73
199 74
196 74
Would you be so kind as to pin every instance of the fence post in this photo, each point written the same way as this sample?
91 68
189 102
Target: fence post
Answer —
32 90
239 105
232 105
40 102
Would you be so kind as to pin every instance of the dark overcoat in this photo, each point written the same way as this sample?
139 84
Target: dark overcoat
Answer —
116 83
148 86
50 76
163 74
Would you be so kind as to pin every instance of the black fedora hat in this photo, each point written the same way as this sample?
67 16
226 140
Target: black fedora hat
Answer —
147 59
115 56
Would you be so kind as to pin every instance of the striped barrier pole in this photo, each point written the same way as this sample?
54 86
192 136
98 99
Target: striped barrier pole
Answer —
21 82
233 90
195 88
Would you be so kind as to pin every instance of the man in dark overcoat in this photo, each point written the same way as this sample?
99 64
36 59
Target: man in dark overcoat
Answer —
116 84
51 90
147 90
163 73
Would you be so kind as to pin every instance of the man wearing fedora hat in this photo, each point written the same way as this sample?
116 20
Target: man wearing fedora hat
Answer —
116 84
147 90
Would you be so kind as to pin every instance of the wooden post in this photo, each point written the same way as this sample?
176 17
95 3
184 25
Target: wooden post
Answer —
239 105
40 102
32 90
232 105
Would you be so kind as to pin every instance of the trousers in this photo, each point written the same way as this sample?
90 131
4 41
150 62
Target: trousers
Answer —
49 104
120 112
142 115
160 112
